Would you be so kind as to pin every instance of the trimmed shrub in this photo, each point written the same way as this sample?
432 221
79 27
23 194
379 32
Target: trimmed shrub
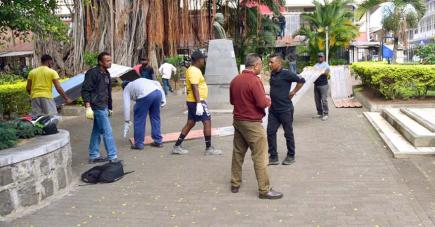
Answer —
7 78
14 99
396 81
426 53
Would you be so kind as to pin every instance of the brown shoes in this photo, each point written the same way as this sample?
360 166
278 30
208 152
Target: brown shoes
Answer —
271 195
234 189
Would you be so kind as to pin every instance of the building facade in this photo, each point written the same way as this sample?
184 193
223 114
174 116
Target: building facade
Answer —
423 34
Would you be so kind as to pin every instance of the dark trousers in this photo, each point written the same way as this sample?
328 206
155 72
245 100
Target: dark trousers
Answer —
274 121
321 99
148 104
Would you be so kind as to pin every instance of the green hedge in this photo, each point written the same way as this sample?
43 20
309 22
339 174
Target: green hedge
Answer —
8 78
14 99
396 81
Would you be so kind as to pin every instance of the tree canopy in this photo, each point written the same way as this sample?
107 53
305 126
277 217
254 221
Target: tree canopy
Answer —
36 16
333 17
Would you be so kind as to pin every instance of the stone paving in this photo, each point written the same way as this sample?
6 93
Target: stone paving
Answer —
343 176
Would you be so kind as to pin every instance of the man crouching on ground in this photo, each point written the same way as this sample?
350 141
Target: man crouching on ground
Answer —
148 95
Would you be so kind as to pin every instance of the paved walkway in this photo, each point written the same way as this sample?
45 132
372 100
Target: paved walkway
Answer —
343 176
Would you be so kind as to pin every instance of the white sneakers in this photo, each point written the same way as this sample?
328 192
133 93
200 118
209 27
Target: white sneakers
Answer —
212 151
209 151
179 150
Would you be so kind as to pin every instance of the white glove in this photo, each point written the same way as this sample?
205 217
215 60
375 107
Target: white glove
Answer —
126 129
199 109
163 104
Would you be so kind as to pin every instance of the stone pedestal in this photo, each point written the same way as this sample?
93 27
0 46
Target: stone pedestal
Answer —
220 70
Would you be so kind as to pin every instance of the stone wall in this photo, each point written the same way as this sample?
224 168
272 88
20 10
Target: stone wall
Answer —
34 172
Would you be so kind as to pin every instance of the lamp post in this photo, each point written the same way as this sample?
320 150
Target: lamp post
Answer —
327 44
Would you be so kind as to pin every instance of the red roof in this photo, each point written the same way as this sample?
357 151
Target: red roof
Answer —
264 9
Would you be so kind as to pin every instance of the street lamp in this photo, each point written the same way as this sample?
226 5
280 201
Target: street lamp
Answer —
327 44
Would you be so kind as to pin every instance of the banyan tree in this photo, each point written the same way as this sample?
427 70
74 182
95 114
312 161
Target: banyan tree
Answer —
130 29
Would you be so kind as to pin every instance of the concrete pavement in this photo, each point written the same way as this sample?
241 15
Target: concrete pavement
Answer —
343 176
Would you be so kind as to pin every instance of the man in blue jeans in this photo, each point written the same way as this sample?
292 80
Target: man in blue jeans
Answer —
97 95
166 70
148 95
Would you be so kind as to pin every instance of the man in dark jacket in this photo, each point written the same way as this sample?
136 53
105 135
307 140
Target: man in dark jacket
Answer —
97 95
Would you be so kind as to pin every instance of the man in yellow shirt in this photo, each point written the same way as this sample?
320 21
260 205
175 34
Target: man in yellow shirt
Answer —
197 93
39 86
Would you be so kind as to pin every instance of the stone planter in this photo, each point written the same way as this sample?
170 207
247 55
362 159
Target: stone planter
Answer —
33 172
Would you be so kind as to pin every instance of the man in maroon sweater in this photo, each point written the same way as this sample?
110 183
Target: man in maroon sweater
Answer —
249 100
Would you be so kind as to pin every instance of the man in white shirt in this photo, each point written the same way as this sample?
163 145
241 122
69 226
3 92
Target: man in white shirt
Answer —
166 71
149 96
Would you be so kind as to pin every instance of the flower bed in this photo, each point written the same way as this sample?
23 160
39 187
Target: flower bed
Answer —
396 81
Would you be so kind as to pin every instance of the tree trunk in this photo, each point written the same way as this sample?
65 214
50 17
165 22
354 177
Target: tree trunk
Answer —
128 30
395 48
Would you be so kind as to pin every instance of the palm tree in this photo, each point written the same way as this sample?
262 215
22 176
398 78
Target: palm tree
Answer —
259 32
399 15
333 18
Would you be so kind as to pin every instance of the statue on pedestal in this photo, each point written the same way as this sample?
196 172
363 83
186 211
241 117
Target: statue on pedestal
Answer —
218 29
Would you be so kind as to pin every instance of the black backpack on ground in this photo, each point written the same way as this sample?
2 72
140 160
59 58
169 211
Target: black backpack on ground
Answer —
107 173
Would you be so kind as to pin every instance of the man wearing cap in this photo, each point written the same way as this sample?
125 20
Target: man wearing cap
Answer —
197 93
149 96
321 88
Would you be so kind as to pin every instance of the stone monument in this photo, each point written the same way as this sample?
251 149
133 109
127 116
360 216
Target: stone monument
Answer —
221 68
218 30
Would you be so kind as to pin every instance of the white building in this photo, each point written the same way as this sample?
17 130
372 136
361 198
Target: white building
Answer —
425 32
65 9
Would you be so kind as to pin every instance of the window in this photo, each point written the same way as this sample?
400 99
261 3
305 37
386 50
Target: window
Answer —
292 24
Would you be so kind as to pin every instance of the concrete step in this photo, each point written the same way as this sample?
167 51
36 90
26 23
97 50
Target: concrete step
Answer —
399 145
414 132
424 116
